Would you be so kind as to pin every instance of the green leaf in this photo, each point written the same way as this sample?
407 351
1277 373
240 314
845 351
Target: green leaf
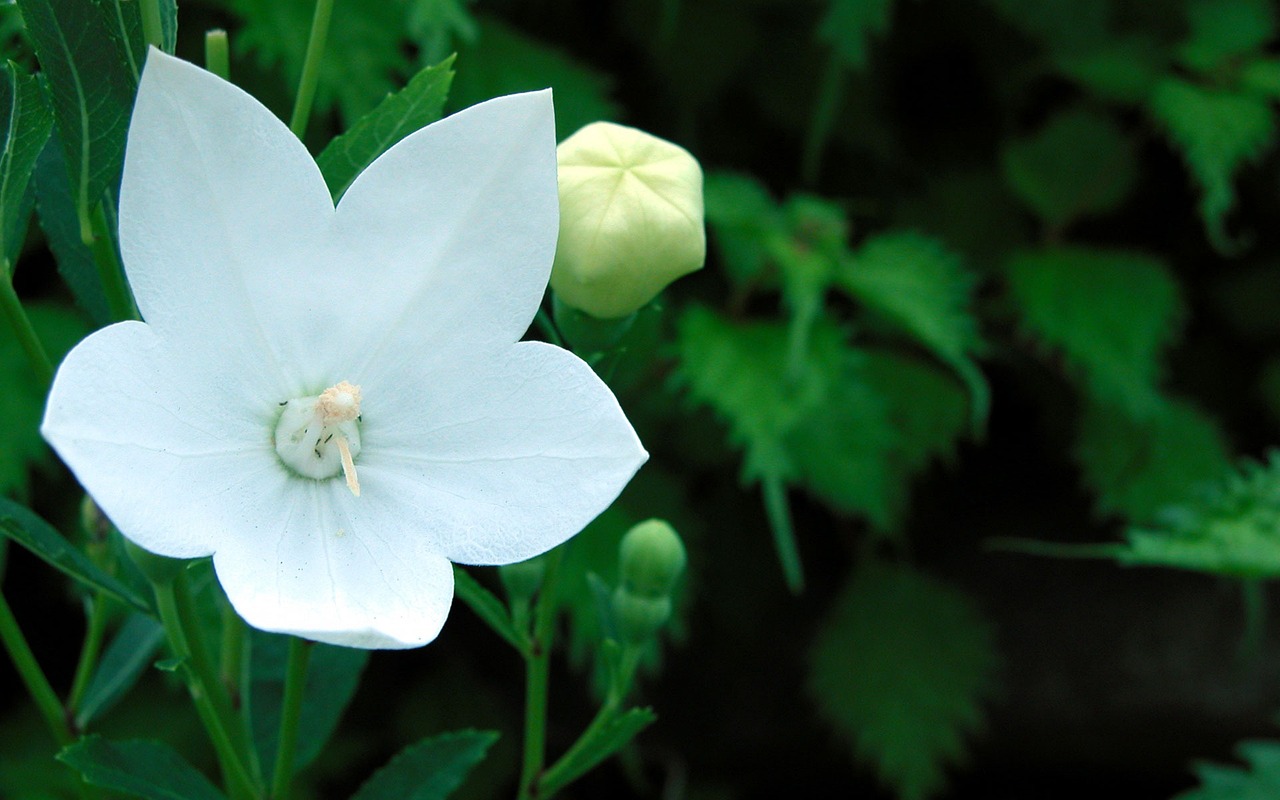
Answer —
488 607
22 402
435 26
1260 781
849 26
925 406
900 668
1138 467
1231 529
742 217
1079 164
126 657
139 768
607 741
1062 26
1080 302
1226 29
370 63
333 674
56 211
1217 131
85 58
415 106
430 769
24 527
921 287
502 61
1123 68
25 128
1262 75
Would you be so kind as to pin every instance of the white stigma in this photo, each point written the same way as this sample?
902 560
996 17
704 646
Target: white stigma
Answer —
319 437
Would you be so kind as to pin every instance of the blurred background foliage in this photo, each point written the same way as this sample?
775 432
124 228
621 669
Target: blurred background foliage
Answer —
985 276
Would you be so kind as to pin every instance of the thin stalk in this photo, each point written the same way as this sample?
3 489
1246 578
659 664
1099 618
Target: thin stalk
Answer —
548 327
231 653
239 783
152 30
21 324
830 92
295 684
217 53
89 652
311 68
537 678
24 661
778 509
110 270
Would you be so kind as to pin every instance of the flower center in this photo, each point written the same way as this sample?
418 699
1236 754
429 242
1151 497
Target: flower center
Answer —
319 437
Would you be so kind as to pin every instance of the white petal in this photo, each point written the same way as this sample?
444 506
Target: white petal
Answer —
165 448
460 220
497 461
225 223
321 564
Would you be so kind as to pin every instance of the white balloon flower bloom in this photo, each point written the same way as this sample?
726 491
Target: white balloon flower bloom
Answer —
334 403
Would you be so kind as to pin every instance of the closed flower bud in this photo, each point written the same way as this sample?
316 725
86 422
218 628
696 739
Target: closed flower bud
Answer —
631 219
650 560
637 619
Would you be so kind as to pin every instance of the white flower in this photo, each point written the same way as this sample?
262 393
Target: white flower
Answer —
334 404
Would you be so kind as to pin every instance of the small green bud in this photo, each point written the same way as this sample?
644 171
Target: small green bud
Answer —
158 569
522 579
631 219
650 559
637 619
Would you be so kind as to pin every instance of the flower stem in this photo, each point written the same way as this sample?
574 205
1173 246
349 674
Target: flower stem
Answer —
232 653
91 649
778 509
239 783
311 68
830 91
295 684
152 30
217 53
21 325
24 661
110 270
537 676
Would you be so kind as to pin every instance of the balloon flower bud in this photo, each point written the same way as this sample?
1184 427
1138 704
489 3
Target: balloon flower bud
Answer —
631 219
650 561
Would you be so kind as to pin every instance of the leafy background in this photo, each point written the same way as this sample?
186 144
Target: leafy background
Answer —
989 316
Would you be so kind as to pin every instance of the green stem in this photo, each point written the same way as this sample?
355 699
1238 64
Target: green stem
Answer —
537 677
89 652
239 783
548 327
24 661
152 30
232 653
824 114
311 68
21 324
778 509
217 53
295 684
110 270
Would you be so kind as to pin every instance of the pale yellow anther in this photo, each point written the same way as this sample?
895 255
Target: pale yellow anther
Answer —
348 464
339 403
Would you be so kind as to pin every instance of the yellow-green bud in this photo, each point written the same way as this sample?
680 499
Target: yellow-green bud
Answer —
650 560
522 579
637 619
631 219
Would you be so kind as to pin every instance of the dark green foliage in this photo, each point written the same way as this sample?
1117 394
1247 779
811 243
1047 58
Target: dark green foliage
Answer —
131 651
428 770
900 669
1259 781
24 130
138 768
850 24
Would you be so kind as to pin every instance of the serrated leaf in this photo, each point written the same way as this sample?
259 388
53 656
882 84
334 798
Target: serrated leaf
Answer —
1259 781
129 653
921 287
139 768
503 61
925 406
1231 529
27 529
84 57
900 668
742 217
56 211
1138 467
333 673
849 26
1217 131
430 769
1081 303
1262 75
1079 164
1122 68
416 105
369 65
1226 29
22 401
24 129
